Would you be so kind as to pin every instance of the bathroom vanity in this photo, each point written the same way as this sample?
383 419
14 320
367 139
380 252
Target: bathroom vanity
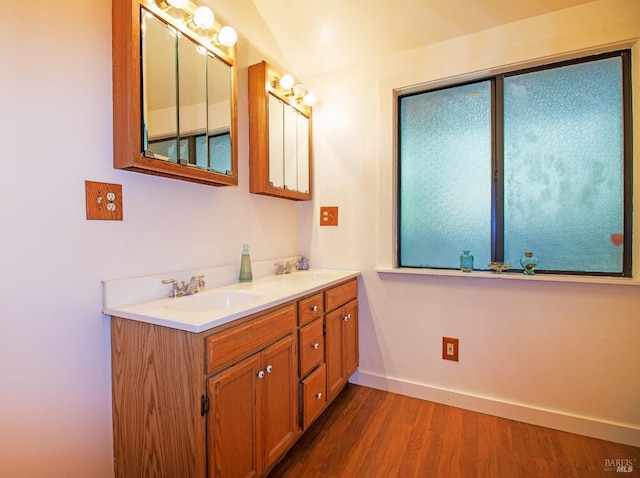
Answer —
223 388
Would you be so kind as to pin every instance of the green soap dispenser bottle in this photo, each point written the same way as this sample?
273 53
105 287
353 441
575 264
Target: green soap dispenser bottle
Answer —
245 265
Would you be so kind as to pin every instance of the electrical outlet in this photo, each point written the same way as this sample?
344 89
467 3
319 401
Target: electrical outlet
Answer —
450 348
329 215
104 201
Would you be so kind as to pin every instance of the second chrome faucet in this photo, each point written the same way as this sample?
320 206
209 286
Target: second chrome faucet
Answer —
285 268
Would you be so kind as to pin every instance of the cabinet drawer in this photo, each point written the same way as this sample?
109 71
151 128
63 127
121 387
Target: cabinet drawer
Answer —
311 347
232 344
314 395
340 294
310 308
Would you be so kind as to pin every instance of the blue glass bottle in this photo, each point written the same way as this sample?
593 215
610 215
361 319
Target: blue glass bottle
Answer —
528 263
466 261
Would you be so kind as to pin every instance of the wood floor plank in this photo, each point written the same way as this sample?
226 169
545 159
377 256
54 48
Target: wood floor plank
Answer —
421 455
368 433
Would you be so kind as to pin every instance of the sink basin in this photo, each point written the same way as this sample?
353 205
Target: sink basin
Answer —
212 301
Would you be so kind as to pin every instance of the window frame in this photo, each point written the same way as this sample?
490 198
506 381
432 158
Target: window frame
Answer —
497 158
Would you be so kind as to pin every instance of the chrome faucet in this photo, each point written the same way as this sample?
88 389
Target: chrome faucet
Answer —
186 288
285 268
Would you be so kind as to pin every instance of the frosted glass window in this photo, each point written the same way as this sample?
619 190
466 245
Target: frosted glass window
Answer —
537 160
445 176
563 166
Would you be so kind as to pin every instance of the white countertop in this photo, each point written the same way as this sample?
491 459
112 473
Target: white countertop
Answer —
214 306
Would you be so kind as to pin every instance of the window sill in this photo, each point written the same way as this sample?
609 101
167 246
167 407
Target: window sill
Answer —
512 276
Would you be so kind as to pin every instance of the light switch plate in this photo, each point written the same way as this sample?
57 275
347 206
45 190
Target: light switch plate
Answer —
329 215
104 201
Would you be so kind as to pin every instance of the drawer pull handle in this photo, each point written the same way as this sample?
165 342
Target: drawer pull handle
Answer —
319 395
269 369
316 346
314 308
261 374
347 317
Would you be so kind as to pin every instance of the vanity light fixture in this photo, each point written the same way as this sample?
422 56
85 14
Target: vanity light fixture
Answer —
298 91
287 84
201 18
227 36
309 99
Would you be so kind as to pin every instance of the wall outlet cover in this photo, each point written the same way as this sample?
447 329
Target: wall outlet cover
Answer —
329 215
104 201
450 348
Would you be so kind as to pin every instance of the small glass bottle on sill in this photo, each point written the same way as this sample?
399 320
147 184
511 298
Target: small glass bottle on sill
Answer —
466 261
528 263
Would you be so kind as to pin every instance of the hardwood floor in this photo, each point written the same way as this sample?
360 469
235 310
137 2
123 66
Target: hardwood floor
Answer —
370 433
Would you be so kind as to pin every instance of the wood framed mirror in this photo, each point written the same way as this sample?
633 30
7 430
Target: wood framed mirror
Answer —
280 138
174 96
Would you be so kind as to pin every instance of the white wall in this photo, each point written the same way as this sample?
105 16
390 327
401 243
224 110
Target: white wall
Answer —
559 354
564 347
55 126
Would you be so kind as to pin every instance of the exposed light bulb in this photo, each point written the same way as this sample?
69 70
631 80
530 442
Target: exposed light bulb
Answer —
227 36
299 90
203 17
178 3
287 82
309 99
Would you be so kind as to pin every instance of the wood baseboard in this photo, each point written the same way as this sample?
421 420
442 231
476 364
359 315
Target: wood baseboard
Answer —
581 425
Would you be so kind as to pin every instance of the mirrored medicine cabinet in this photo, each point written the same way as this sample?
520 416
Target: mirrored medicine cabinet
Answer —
280 137
174 96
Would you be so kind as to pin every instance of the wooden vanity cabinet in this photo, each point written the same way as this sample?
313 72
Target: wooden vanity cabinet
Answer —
228 402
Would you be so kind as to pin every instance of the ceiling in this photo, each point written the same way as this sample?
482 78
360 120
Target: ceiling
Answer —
316 36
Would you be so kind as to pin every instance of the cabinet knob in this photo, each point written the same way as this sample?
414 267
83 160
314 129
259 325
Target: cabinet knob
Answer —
261 374
319 395
314 308
316 346
347 317
269 368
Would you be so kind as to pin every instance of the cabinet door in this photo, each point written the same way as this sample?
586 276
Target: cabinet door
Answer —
341 345
350 338
232 424
334 352
279 398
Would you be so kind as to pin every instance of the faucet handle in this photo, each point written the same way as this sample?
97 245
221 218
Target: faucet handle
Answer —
199 278
174 287
280 268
